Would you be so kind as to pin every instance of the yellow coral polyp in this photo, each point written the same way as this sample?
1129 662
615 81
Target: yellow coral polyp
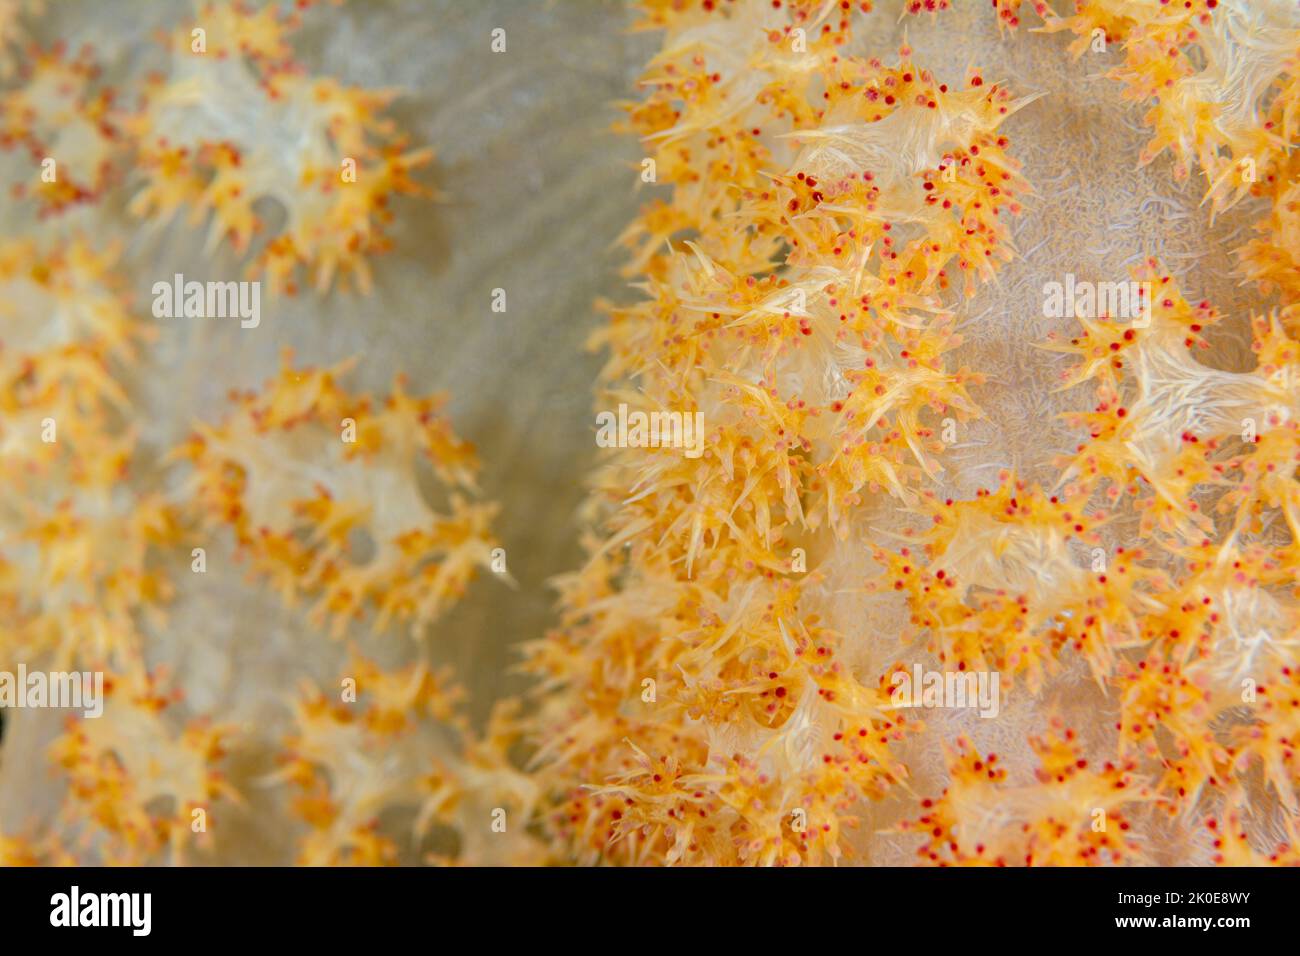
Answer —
68 127
334 165
396 739
822 210
139 778
304 470
84 575
982 820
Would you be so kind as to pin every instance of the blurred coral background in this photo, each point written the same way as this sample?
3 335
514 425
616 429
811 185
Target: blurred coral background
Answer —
535 190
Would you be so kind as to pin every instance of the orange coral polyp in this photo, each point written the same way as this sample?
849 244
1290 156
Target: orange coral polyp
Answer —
67 125
334 165
822 210
301 469
717 689
142 776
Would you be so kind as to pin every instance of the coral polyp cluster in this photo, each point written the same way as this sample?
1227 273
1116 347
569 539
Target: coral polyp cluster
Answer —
67 322
1222 78
236 120
366 508
65 122
826 203
952 515
83 555
980 820
304 470
80 549
1221 82
141 780
407 746
821 219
